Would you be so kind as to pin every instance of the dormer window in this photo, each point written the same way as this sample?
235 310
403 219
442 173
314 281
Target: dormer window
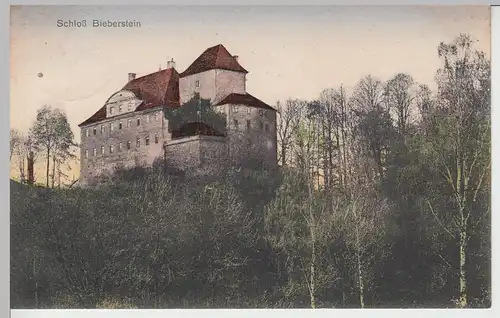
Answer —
197 84
111 109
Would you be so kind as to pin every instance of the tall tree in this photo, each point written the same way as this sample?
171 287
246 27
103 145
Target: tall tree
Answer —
288 119
52 135
399 98
461 145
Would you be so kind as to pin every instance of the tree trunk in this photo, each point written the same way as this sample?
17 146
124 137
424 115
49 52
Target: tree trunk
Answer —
48 166
312 289
36 281
360 281
53 170
463 280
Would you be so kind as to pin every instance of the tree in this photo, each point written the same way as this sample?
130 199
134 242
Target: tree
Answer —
460 146
52 135
399 98
288 119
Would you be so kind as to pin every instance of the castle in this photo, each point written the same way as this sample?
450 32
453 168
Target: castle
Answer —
131 128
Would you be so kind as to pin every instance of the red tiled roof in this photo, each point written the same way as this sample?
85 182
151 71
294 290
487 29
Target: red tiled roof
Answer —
155 89
244 99
159 88
215 57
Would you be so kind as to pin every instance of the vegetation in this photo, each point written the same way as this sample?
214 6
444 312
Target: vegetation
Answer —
382 200
196 111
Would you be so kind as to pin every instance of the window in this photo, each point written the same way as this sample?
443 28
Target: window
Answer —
129 123
267 127
147 140
111 109
86 153
261 112
138 121
102 150
138 142
94 152
235 122
248 124
261 125
111 126
197 83
128 145
120 125
102 129
120 146
157 115
148 118
86 132
249 110
249 143
111 149
95 131
156 139
235 109
120 108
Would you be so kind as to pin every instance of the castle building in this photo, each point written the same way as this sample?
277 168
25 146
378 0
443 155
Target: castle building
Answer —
131 128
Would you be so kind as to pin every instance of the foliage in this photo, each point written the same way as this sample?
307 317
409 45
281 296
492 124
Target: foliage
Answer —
382 200
196 110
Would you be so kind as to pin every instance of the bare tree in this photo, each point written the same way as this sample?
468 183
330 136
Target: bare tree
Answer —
288 118
461 143
399 98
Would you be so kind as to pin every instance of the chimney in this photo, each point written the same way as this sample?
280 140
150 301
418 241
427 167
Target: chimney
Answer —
235 57
131 76
171 63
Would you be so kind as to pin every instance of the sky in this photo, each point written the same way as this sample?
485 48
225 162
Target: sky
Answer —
289 51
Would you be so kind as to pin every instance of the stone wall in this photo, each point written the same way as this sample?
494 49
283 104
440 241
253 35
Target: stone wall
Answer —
152 129
252 134
227 82
206 86
197 152
213 85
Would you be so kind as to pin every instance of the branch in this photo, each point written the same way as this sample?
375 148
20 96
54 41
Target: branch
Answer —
439 221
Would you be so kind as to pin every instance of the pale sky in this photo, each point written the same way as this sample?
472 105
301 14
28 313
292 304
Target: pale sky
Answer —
289 51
